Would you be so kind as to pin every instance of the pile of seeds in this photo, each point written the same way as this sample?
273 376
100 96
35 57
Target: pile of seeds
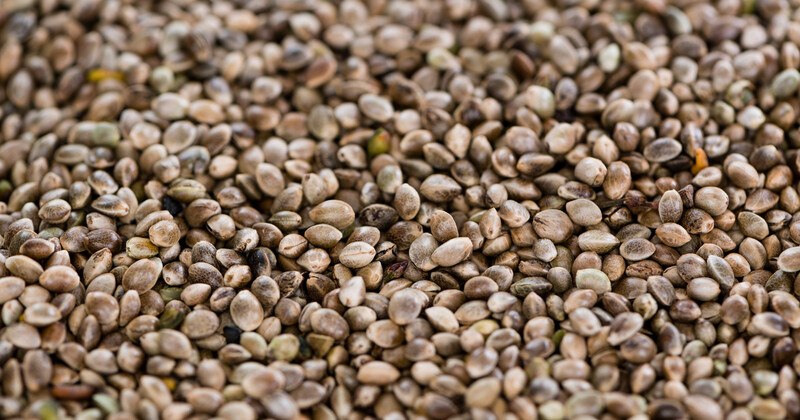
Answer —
531 209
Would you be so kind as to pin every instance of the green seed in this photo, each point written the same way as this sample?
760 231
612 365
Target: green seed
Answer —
171 318
379 143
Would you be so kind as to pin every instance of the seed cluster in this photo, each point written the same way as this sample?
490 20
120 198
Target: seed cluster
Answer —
487 209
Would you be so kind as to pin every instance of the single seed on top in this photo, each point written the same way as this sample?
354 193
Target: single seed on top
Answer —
246 311
377 373
356 254
670 207
593 279
142 275
584 212
59 279
637 249
789 259
552 224
333 212
452 252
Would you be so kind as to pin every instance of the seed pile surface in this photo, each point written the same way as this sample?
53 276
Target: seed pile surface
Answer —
241 209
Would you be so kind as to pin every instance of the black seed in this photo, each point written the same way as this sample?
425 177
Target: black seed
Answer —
232 334
173 206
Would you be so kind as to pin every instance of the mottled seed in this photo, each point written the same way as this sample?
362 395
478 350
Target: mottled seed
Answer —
246 311
452 252
59 279
142 275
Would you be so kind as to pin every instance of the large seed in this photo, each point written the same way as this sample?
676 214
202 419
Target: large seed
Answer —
377 373
703 289
142 275
592 279
637 249
421 251
356 254
246 311
623 327
10 288
333 212
769 324
711 199
552 224
406 305
452 252
597 241
584 212
59 279
41 314
670 207
439 188
662 150
673 234
263 381
789 260
330 323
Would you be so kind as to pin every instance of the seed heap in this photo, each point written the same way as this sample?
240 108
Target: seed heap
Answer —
399 209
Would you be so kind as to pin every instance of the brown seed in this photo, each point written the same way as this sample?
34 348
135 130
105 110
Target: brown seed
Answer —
406 305
673 234
330 323
10 288
623 327
670 207
789 260
552 224
711 199
662 150
59 279
377 373
24 267
263 381
41 314
452 252
142 275
592 279
439 188
246 311
164 233
584 212
333 212
637 249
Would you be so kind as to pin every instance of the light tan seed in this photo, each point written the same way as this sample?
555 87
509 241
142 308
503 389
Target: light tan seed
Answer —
356 254
593 279
333 212
553 224
59 279
670 207
377 373
452 252
142 275
623 327
637 249
584 212
246 311
789 260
